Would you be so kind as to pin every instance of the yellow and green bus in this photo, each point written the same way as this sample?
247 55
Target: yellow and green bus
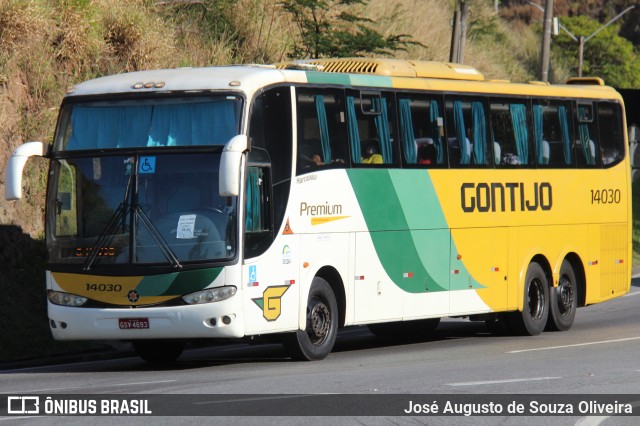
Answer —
302 197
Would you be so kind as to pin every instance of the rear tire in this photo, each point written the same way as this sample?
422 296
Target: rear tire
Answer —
563 300
316 341
533 318
159 352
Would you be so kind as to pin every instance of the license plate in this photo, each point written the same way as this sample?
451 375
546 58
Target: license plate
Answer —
133 323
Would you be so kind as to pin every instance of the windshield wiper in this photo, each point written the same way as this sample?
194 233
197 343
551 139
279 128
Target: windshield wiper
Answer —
155 234
109 231
107 234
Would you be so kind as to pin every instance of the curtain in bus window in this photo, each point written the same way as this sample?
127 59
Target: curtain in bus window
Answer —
586 143
252 218
537 134
479 133
566 137
519 121
382 125
406 127
108 127
211 123
437 138
352 123
461 133
324 129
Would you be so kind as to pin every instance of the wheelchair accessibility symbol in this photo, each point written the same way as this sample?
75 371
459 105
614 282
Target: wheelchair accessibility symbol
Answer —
147 165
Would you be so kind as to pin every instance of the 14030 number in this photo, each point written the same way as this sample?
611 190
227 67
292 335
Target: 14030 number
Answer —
605 196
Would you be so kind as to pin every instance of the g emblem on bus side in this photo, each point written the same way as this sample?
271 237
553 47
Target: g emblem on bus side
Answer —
271 302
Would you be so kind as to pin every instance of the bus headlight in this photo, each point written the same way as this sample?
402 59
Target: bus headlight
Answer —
65 299
210 295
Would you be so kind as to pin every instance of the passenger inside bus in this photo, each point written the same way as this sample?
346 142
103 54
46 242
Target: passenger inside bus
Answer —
371 154
427 153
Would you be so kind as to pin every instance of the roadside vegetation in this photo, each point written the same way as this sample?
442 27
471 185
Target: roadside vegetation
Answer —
47 46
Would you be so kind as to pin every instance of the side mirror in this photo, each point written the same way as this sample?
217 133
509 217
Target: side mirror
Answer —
15 165
229 181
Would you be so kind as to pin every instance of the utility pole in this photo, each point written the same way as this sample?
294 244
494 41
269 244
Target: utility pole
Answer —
459 32
546 41
455 35
464 13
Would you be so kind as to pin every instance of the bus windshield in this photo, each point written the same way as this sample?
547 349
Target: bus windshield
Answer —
195 121
156 208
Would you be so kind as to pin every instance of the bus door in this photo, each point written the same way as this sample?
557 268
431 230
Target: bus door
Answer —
270 273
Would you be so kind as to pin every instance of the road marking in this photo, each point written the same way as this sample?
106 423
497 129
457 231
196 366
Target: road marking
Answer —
141 383
494 382
575 345
87 387
260 398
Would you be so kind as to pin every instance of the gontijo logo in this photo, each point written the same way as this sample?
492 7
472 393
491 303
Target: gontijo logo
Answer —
271 302
508 196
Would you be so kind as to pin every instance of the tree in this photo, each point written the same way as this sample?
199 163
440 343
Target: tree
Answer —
327 29
606 55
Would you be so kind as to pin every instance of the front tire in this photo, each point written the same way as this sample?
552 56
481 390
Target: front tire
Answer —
563 300
159 352
316 341
535 311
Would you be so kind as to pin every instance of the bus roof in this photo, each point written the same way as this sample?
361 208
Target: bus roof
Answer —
245 78
346 72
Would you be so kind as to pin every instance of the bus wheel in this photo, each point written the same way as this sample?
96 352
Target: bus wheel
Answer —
319 336
533 318
563 300
416 329
158 351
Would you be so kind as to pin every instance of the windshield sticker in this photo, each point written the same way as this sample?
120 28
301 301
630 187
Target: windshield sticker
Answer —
186 227
147 165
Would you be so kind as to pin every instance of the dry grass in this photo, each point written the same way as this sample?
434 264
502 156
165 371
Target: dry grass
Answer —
497 53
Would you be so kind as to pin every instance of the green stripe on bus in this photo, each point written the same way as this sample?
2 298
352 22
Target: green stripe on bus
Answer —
316 77
177 283
416 253
370 80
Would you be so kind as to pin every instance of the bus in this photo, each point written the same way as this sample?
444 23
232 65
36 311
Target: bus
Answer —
299 198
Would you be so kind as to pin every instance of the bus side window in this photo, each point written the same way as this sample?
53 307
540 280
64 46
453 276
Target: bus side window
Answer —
467 131
553 134
270 129
370 118
610 123
258 233
322 138
511 132
587 147
421 131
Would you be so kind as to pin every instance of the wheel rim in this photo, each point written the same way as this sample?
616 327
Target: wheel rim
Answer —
565 296
318 321
536 299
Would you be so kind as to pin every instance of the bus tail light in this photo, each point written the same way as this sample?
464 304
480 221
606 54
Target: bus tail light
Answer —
210 295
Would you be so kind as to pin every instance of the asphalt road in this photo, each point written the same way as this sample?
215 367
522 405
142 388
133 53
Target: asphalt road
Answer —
599 355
